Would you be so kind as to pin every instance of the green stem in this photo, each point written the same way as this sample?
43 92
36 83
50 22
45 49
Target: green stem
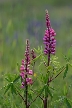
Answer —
56 75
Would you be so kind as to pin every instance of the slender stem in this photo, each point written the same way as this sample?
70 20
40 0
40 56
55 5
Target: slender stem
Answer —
27 105
26 90
48 58
57 75
46 98
35 99
39 96
45 102
46 105
33 67
20 95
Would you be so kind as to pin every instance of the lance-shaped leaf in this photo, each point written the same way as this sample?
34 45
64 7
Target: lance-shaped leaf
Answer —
69 53
46 78
16 79
7 88
39 50
66 70
37 58
65 89
65 57
30 95
8 79
68 103
36 50
18 67
41 90
13 90
47 91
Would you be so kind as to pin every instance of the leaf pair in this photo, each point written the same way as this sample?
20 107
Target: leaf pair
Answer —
11 84
45 90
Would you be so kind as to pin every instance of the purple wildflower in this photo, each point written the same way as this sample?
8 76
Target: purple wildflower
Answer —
22 68
22 74
49 39
30 72
25 67
29 81
22 86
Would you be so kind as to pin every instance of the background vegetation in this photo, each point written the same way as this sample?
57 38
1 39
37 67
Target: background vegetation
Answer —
21 19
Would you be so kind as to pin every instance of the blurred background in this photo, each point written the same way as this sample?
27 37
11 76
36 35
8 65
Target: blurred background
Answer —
22 19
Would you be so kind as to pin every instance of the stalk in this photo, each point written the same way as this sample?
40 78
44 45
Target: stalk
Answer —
50 43
26 92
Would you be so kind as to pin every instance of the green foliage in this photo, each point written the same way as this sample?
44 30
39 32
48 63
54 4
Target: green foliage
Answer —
11 83
65 90
47 91
15 17
66 70
68 103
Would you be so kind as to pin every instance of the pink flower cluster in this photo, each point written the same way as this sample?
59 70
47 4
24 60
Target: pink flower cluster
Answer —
49 39
25 68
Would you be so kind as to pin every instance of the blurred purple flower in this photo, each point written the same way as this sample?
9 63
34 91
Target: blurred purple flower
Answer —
49 39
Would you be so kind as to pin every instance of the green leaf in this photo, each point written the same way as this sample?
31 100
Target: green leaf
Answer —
36 50
46 78
13 90
69 53
41 63
16 79
8 79
37 58
30 96
70 64
65 89
60 69
68 103
47 91
66 70
18 67
66 58
41 90
39 50
49 68
7 88
52 88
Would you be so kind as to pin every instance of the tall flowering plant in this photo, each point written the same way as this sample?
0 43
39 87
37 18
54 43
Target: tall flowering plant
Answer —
48 70
25 71
50 43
